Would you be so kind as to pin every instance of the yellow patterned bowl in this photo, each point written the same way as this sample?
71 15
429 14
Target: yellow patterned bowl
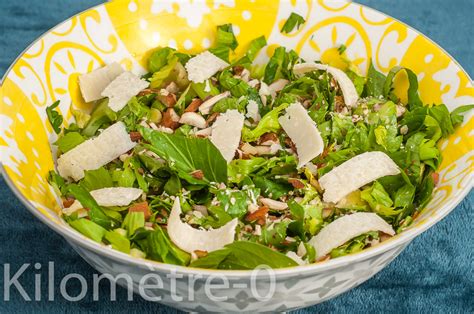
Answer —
125 30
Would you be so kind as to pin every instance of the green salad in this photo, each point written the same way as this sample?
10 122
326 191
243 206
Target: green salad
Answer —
216 161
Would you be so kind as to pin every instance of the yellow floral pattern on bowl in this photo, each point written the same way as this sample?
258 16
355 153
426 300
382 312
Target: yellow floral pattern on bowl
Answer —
125 30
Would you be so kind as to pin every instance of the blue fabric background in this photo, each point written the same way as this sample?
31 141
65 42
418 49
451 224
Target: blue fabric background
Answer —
434 274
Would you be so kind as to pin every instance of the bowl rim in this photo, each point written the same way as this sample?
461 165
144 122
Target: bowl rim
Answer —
72 236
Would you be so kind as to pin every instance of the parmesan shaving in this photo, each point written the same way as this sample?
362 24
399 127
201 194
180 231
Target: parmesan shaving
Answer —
346 228
190 239
355 173
303 132
95 152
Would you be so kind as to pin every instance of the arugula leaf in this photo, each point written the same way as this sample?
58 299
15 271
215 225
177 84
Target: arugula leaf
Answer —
375 82
96 179
414 100
96 213
456 115
89 228
294 20
69 141
54 117
244 255
187 155
268 123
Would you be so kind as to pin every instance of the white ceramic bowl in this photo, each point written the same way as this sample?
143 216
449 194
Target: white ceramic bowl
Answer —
124 30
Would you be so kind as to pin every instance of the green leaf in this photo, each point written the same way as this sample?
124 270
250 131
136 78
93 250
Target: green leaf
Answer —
255 46
68 141
235 202
293 21
244 255
297 211
414 119
173 185
159 58
133 221
274 65
160 248
227 104
118 241
379 200
225 36
375 82
96 213
275 234
268 123
81 117
225 41
200 89
212 260
404 196
238 169
414 100
89 228
187 155
54 117
96 179
272 188
158 77
57 182
456 115
101 115
441 114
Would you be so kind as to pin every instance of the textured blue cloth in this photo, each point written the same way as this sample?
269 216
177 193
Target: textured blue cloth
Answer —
434 274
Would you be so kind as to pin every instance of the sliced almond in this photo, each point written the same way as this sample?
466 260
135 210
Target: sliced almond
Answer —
194 119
